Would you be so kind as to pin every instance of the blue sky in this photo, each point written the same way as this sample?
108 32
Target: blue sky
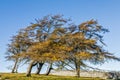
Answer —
17 14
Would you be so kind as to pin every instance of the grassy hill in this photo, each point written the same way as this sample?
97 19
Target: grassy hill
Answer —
21 76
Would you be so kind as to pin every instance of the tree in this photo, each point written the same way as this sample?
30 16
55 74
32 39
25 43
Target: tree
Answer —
53 40
51 50
19 43
40 31
87 41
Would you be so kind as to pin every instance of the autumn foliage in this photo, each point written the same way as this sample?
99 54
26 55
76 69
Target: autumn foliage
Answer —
54 39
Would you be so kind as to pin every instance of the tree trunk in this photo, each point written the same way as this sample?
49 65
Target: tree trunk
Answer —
28 74
77 66
16 70
39 67
49 69
78 72
15 66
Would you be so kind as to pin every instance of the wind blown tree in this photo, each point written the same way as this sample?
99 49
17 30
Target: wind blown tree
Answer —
19 43
87 44
40 32
12 51
53 40
51 50
87 41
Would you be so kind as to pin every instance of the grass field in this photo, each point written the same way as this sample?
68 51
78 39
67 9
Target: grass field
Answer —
9 76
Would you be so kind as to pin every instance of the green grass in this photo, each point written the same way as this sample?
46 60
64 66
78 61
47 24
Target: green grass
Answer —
9 76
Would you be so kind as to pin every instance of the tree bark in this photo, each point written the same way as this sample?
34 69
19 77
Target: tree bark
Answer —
15 66
78 72
49 69
77 65
28 74
39 67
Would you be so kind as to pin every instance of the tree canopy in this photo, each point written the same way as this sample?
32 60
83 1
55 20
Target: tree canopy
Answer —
54 39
